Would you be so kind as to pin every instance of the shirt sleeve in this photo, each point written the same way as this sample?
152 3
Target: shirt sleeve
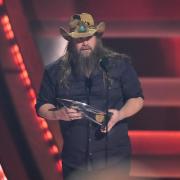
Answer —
47 91
131 86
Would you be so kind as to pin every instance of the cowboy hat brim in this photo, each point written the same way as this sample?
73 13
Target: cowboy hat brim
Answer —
100 28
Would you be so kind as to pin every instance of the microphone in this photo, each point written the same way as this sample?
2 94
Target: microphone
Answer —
104 63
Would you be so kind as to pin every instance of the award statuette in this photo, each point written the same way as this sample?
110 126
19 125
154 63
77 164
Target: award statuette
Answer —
89 112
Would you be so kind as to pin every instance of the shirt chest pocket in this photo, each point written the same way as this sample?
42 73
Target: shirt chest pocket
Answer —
115 89
114 83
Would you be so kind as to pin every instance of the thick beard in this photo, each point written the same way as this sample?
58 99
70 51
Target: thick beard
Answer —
85 65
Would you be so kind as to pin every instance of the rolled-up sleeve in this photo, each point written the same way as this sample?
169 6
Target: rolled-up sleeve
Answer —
131 86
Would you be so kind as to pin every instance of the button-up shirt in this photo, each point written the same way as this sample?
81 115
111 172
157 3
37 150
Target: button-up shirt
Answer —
84 145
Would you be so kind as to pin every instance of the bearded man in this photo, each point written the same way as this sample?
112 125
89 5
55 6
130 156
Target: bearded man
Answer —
80 75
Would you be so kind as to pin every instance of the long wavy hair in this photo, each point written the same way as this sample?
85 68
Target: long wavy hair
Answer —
67 67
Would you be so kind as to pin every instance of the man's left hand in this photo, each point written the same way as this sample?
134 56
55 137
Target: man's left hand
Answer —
114 119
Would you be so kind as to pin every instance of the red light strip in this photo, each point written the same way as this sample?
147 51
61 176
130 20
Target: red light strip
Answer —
146 133
59 166
2 174
7 27
155 142
48 135
18 60
54 150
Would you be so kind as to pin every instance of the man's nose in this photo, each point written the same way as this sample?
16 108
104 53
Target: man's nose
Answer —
85 42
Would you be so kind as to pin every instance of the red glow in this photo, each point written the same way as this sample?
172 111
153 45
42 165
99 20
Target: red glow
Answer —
59 166
27 82
155 142
18 60
48 135
176 43
10 35
32 93
154 133
22 67
43 124
53 149
7 27
15 48
24 74
1 2
5 19
25 78
2 174
17 56
33 102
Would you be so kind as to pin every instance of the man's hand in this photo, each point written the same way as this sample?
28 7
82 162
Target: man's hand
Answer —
113 120
131 107
68 114
50 112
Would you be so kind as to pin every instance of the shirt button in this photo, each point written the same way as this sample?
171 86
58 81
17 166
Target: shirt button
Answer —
89 139
90 154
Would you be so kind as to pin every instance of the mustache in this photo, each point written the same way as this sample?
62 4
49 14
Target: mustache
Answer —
85 48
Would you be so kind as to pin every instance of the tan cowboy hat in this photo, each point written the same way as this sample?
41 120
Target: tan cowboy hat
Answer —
81 26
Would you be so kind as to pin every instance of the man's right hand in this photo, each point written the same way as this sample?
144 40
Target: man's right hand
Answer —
49 112
68 114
